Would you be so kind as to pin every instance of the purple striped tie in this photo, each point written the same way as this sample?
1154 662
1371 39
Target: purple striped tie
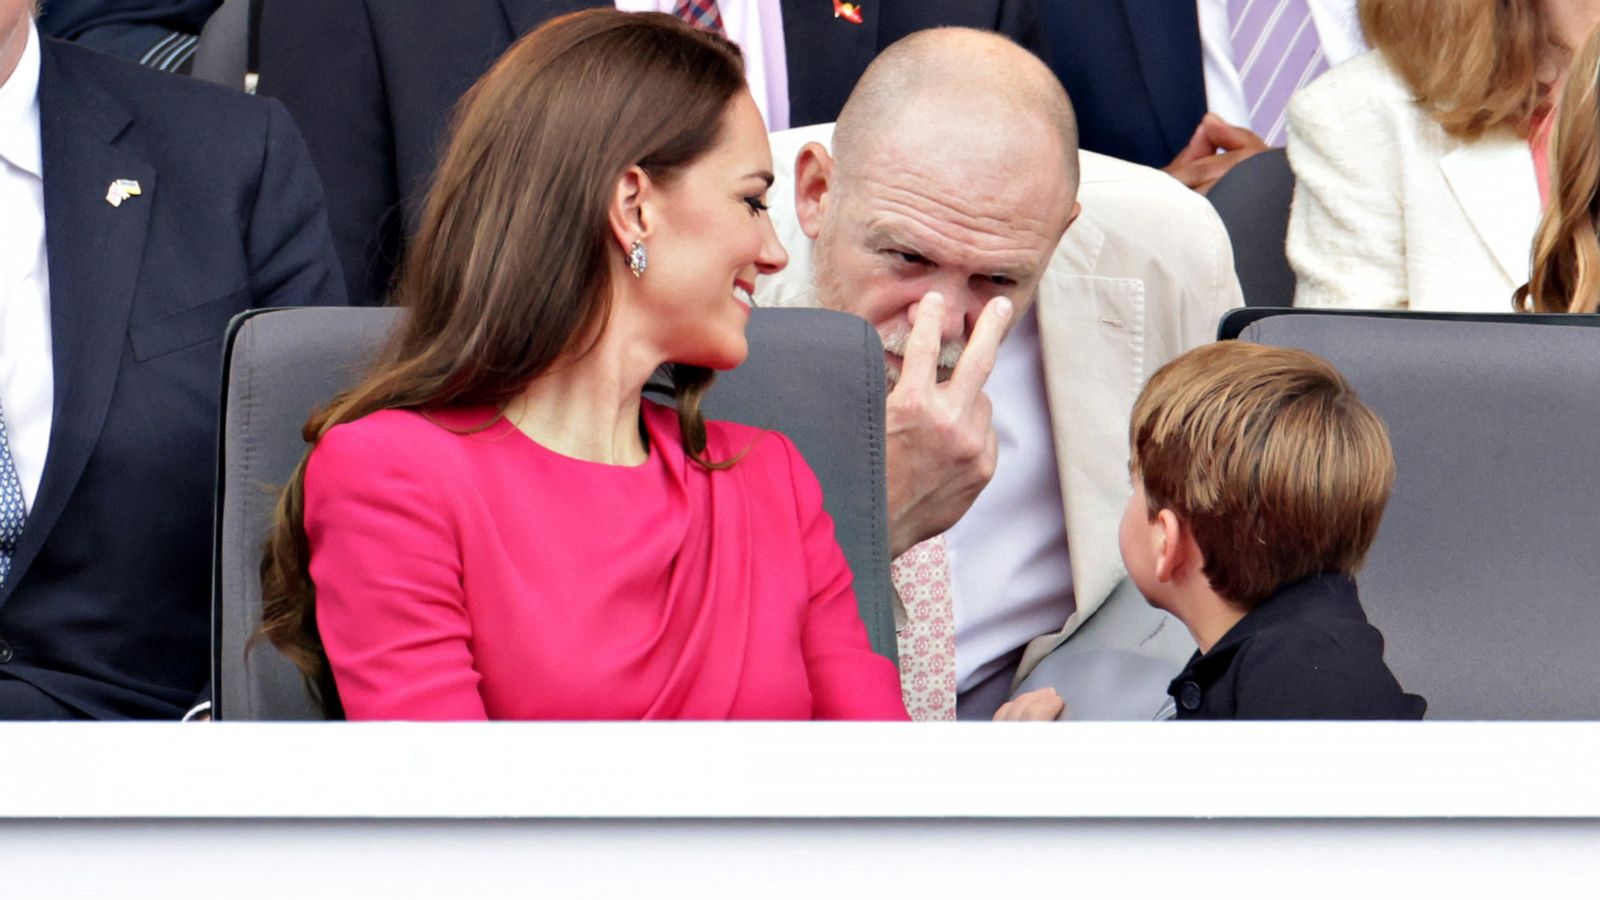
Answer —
1277 52
701 14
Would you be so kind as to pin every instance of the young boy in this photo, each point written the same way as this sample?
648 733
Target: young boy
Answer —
1258 483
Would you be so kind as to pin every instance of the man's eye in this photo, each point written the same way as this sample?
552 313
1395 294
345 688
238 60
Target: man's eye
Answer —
757 205
914 259
1002 281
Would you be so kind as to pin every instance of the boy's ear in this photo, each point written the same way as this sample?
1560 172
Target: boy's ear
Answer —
1176 552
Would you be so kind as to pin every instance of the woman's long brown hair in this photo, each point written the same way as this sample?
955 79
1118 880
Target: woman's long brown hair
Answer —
1565 272
510 268
1472 64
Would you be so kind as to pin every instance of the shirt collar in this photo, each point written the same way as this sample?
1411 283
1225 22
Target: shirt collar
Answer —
19 111
1325 594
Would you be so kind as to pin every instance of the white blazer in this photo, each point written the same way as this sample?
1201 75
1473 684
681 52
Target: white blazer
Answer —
1142 276
1390 211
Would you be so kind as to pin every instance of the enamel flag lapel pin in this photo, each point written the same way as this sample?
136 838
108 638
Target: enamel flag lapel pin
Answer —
122 189
850 12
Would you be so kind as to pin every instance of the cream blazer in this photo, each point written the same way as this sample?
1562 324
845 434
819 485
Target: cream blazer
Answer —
1143 275
1391 212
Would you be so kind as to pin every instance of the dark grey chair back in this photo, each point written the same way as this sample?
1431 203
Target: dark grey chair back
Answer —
1253 202
1484 578
814 375
222 54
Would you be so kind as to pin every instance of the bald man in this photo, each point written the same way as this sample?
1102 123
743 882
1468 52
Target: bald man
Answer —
941 214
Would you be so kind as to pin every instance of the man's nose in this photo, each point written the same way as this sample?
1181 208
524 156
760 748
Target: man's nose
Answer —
962 306
773 256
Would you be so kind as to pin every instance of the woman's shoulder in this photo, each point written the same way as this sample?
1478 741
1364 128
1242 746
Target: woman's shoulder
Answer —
398 437
759 446
1365 81
724 438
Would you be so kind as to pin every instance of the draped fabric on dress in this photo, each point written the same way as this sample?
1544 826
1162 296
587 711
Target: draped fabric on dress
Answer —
467 572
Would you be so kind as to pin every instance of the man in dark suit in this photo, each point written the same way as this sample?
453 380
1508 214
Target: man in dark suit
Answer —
372 83
160 34
1156 82
141 212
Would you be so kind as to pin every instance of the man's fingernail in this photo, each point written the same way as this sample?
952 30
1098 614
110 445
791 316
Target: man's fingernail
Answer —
1002 308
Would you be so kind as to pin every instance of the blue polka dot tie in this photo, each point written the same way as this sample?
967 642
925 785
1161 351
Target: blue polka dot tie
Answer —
11 509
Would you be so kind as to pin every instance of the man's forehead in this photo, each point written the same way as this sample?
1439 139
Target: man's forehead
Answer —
972 185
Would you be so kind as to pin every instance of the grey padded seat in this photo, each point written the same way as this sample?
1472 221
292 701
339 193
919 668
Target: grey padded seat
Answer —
222 54
1484 580
1253 202
817 376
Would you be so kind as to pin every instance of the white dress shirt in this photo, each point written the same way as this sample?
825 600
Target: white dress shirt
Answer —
1338 27
757 27
26 379
1010 578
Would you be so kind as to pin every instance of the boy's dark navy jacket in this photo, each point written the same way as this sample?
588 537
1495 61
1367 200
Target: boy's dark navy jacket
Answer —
1306 652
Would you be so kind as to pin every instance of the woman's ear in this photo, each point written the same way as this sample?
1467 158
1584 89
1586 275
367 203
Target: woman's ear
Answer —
630 214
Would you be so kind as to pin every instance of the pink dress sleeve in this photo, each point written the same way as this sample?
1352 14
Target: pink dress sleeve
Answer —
387 569
847 679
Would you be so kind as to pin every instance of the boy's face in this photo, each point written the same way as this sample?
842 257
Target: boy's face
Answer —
1138 538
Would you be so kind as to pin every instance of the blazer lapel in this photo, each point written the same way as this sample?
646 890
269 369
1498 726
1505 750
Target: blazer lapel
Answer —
825 55
1494 181
94 251
1166 40
1091 329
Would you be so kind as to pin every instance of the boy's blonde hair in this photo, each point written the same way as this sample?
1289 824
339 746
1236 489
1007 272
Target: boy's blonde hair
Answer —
1269 460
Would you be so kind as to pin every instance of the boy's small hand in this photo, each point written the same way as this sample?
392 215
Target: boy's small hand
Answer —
1042 705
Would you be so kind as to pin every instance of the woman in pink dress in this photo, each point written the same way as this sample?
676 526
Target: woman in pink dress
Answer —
494 524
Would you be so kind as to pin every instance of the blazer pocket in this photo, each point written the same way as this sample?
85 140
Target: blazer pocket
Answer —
155 332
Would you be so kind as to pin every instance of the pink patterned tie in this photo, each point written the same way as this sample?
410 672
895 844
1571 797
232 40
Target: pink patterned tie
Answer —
701 14
928 638
1277 52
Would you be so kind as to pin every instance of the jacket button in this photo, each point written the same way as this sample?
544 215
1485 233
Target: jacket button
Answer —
1189 696
6 653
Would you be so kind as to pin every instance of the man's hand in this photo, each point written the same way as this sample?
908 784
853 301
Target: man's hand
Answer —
1042 705
1200 164
941 446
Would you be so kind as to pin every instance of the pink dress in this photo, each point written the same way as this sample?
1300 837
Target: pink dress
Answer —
470 574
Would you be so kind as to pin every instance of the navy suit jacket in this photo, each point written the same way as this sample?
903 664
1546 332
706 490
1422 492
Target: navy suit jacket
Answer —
1134 71
372 84
106 611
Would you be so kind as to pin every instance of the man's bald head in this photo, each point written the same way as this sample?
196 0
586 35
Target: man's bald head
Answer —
948 83
954 170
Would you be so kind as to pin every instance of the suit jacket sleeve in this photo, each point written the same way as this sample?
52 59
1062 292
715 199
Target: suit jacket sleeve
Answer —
291 254
1346 228
847 679
320 59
